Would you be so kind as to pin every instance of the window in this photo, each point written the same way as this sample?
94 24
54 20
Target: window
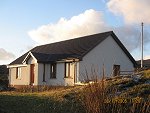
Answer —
43 72
18 73
53 70
67 70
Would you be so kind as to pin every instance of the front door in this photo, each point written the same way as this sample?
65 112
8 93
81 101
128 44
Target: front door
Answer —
70 71
31 74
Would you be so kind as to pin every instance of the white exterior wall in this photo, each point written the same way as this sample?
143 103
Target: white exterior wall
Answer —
31 60
58 81
50 81
108 53
38 75
35 74
24 80
25 74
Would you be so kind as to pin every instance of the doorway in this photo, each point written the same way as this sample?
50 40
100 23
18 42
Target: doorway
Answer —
32 74
116 70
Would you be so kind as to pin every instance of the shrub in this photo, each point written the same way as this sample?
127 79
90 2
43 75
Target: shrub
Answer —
98 99
3 83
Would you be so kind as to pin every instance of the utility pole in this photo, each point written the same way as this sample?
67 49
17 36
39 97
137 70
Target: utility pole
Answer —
142 24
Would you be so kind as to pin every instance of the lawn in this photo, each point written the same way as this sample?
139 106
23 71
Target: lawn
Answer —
53 101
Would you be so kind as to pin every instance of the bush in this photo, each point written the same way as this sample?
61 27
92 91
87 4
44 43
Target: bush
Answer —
3 83
101 98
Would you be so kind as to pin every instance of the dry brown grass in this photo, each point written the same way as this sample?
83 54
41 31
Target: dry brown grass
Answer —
101 98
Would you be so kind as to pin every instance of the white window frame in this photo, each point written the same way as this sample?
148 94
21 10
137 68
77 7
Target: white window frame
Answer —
68 69
53 70
18 73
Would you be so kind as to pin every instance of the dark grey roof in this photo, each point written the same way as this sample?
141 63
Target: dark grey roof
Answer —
42 57
75 48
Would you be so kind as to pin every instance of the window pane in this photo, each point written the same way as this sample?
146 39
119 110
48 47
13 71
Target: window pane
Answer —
18 72
43 72
53 70
67 69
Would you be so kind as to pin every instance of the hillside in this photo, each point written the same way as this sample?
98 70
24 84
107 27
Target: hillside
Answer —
132 85
146 63
116 94
3 70
3 77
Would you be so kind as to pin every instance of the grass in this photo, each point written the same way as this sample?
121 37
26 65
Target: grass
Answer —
130 94
53 101
141 90
115 95
100 98
147 73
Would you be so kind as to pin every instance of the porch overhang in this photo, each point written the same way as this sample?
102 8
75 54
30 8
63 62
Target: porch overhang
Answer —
28 56
17 65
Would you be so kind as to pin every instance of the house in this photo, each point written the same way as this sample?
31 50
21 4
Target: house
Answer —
69 62
146 63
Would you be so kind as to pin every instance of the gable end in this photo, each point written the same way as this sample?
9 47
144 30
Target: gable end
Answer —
124 49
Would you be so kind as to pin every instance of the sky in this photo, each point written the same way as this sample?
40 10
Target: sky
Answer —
25 24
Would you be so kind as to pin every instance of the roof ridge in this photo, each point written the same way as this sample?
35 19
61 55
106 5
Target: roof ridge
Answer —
75 38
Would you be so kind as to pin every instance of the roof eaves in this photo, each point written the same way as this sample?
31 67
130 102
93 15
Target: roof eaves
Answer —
28 55
24 60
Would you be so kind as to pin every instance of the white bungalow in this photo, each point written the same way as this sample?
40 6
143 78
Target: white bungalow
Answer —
68 62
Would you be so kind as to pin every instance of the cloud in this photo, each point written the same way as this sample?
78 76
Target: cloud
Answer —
5 55
147 57
129 36
133 11
27 48
89 22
